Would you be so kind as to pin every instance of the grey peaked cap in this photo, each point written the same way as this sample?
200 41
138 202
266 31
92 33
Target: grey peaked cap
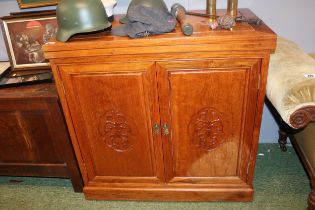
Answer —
144 20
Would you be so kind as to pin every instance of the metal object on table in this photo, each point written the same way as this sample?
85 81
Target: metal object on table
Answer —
232 8
19 80
251 21
226 22
198 14
80 16
180 13
211 8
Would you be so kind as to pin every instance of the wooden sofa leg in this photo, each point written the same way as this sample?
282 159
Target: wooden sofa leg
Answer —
311 200
283 140
283 128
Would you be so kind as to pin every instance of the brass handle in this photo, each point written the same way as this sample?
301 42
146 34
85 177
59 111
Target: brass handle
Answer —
156 129
166 130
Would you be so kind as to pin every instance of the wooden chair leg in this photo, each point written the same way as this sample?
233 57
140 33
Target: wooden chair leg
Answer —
284 130
283 140
311 200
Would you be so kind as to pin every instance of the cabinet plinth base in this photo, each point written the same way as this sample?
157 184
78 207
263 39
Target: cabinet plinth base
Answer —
169 194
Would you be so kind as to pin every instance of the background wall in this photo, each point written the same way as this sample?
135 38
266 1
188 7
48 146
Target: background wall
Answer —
292 19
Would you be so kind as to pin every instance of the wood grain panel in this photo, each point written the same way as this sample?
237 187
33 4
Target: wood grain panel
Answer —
22 132
169 194
206 112
260 37
112 116
162 57
33 137
36 169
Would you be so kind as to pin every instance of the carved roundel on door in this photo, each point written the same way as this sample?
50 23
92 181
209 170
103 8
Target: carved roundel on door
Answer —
206 129
114 128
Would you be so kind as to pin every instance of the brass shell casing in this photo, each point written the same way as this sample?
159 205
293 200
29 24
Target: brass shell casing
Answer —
212 8
232 8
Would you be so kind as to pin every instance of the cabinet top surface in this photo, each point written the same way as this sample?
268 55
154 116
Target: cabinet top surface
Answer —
242 33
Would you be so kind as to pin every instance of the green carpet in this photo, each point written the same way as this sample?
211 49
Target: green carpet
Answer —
280 183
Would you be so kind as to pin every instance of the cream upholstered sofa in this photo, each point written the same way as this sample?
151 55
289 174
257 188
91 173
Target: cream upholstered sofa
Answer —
291 99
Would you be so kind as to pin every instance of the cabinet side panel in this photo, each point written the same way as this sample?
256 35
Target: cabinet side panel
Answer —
26 133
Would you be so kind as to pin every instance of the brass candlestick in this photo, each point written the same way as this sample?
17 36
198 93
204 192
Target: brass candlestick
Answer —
211 8
232 8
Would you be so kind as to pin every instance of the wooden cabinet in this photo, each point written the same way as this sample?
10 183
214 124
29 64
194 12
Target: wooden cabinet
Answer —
33 137
169 117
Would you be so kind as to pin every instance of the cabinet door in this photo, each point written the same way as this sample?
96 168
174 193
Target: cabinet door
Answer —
207 114
113 108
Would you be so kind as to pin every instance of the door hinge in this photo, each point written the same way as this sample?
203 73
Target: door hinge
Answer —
166 130
156 129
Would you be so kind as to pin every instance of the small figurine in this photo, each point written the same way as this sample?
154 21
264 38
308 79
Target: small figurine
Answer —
226 22
213 24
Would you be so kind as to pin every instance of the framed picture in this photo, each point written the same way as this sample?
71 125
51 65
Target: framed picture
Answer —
36 3
24 37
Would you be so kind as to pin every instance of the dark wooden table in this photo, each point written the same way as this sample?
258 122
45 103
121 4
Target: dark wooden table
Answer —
34 140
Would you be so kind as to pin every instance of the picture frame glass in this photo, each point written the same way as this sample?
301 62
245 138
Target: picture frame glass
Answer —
25 38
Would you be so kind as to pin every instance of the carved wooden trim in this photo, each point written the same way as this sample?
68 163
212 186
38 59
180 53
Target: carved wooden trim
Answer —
302 117
115 129
206 129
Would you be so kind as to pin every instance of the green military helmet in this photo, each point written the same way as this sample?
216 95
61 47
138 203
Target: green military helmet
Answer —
156 4
80 16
